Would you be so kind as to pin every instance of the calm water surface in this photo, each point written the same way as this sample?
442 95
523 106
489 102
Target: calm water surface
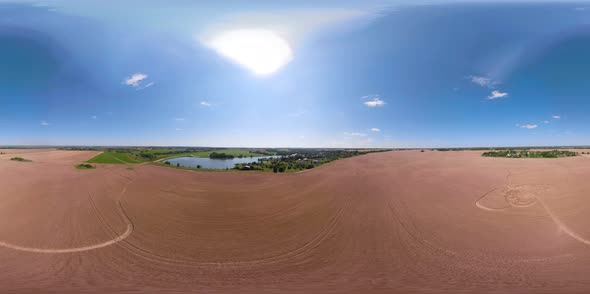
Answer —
209 163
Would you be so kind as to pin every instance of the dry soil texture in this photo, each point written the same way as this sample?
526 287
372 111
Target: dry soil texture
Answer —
386 222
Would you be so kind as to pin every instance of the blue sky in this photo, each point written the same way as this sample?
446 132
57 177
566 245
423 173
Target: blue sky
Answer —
360 74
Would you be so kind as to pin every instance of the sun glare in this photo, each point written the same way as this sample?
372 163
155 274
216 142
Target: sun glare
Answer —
261 51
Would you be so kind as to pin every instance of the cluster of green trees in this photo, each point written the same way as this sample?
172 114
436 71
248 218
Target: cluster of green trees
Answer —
511 153
300 159
215 155
168 163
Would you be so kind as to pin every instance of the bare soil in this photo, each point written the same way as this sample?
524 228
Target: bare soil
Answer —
394 222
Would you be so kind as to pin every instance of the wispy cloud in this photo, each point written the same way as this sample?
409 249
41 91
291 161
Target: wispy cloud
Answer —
529 126
44 123
179 129
146 86
483 81
297 113
556 116
94 117
581 8
179 119
205 104
355 134
375 130
546 121
497 94
374 101
137 81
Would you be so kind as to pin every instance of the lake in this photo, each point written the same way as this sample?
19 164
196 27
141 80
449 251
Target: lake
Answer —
209 163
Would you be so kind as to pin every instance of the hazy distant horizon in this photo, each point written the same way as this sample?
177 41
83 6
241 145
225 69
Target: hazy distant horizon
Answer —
285 147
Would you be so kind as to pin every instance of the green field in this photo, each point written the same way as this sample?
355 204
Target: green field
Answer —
203 154
138 156
112 158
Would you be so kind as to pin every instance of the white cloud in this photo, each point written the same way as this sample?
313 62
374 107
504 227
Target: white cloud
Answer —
136 81
375 100
581 8
546 121
375 130
44 123
179 119
529 126
94 117
355 134
179 129
483 81
497 94
556 116
205 104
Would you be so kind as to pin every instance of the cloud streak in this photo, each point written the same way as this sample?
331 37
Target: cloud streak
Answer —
529 126
355 134
374 101
483 81
497 94
137 80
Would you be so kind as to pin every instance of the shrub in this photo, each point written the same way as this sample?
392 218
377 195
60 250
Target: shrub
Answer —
85 166
19 159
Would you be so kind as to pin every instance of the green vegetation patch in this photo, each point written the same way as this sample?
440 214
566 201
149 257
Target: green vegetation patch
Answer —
20 159
85 166
294 160
112 157
221 155
529 154
157 153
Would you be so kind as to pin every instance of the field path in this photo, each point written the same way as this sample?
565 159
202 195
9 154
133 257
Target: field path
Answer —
115 240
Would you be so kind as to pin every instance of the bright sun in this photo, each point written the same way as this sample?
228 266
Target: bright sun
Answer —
261 51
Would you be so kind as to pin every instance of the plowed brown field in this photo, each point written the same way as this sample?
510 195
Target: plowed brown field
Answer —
401 221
